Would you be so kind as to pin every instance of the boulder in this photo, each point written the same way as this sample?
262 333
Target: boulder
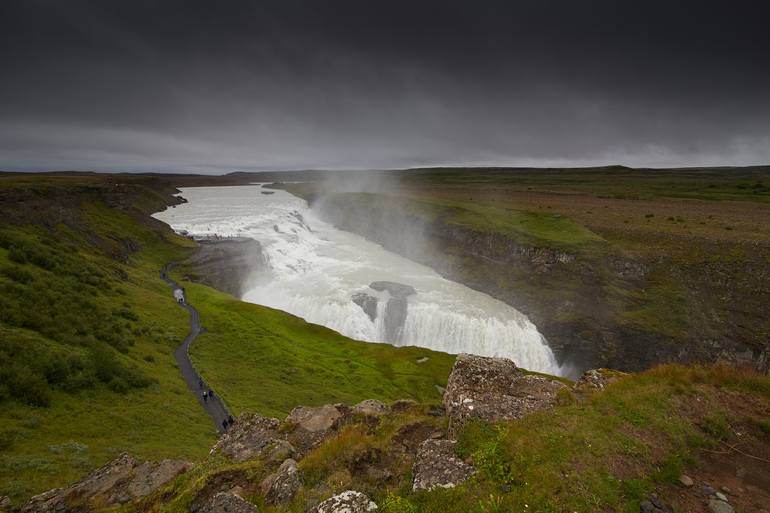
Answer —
315 418
494 389
5 503
720 506
371 408
596 379
281 486
437 466
312 424
349 501
248 437
120 481
278 451
224 502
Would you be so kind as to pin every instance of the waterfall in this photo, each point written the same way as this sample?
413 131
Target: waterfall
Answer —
315 270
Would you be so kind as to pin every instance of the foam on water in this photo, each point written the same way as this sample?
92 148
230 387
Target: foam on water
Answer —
314 269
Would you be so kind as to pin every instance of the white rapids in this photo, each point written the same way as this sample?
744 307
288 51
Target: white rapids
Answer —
314 269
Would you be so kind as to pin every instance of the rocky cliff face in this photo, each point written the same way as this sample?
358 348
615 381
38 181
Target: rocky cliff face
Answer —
490 389
228 264
337 458
121 481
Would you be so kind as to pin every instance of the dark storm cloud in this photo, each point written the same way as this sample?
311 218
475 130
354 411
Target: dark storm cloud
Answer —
217 86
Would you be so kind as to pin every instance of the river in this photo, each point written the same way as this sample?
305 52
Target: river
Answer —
314 271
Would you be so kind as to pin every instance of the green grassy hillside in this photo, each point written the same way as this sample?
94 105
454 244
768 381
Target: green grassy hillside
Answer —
268 361
597 451
87 331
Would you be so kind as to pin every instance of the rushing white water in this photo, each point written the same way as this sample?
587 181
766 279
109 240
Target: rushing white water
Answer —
314 269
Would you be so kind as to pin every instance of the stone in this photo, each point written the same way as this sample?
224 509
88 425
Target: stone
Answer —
5 503
494 390
686 481
647 507
596 379
367 303
721 496
120 481
707 490
280 487
396 308
372 408
279 451
436 465
314 418
224 502
348 501
248 437
312 424
719 506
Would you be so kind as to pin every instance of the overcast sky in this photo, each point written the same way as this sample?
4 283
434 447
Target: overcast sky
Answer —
216 86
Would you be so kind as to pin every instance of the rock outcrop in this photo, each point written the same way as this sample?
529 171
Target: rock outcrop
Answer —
349 501
596 379
494 389
396 309
225 502
313 423
249 437
228 264
368 304
120 481
281 486
438 466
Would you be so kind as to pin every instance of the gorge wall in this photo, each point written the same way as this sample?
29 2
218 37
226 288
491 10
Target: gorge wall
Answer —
578 297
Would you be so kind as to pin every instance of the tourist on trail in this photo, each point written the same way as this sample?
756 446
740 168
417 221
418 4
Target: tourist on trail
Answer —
224 425
200 383
211 393
205 396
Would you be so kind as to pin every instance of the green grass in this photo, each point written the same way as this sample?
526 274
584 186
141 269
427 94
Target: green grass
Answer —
88 329
268 361
607 452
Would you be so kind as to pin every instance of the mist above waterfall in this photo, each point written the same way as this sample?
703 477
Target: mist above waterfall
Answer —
316 271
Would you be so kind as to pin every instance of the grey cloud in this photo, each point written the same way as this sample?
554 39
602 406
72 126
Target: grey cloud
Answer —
214 87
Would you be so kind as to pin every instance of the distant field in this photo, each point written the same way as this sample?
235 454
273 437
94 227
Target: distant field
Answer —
669 265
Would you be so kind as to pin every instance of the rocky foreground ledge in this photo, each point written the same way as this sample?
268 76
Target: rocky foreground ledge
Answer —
490 389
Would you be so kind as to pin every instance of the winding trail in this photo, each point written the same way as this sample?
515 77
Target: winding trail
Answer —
214 405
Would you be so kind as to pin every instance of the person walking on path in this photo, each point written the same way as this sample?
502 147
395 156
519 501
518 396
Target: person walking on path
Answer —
215 407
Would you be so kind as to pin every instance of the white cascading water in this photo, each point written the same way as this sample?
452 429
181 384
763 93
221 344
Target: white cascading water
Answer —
314 269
